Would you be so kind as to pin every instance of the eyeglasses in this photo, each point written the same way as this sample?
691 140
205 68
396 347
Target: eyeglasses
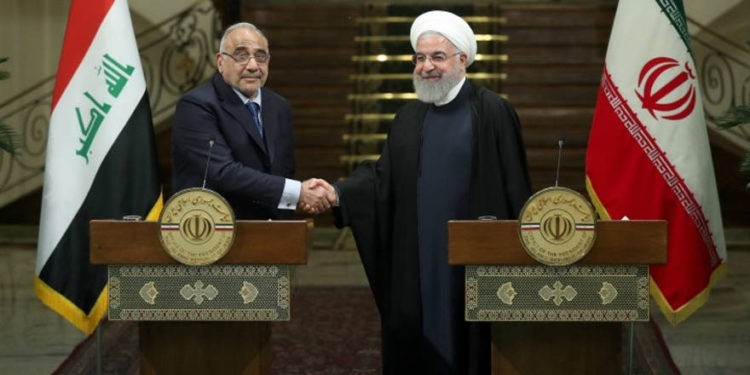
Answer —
244 58
436 58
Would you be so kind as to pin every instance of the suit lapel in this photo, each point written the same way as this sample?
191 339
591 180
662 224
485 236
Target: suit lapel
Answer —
234 106
269 130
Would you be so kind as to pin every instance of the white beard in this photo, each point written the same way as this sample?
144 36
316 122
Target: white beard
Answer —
432 92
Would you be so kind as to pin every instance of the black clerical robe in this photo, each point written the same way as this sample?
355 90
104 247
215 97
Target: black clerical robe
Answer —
443 189
379 202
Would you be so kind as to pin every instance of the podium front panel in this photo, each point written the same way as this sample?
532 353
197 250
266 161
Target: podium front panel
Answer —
220 292
576 293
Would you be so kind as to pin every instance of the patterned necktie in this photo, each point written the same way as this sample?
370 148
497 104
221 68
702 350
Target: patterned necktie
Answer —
255 111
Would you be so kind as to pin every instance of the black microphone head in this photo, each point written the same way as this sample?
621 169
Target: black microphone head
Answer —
211 139
560 139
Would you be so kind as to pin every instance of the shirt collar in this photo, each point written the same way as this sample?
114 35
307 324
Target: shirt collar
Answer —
451 94
246 100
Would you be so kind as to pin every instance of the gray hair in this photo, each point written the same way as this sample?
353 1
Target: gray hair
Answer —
236 26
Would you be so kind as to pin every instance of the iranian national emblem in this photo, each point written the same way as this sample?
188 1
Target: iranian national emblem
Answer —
667 88
557 226
197 227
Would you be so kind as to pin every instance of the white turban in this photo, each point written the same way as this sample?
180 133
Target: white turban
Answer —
448 25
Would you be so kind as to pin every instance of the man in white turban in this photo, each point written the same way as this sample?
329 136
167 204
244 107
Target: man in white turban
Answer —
457 153
440 27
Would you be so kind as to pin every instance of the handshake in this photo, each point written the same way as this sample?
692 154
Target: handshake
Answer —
317 196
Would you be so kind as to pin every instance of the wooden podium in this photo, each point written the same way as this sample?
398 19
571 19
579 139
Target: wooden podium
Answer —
208 319
557 319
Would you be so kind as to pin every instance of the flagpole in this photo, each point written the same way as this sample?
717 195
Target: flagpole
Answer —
559 158
630 349
99 349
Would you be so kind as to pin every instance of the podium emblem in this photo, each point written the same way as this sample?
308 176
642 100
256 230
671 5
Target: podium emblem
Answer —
197 227
557 226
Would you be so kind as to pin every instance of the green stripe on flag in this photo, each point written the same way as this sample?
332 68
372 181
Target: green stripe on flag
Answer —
675 12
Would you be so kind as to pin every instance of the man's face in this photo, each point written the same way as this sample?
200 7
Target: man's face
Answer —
439 67
249 77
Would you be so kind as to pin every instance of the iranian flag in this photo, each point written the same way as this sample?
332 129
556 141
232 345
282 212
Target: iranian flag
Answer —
648 155
101 157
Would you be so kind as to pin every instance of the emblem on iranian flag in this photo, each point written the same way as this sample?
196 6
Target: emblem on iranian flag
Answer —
667 87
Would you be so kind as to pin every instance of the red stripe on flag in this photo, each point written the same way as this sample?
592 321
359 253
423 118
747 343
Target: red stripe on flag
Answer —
628 183
83 22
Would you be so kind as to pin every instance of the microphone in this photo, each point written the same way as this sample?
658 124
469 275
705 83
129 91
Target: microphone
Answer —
210 147
560 141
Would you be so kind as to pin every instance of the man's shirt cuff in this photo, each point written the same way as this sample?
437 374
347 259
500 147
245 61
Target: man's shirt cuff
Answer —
290 195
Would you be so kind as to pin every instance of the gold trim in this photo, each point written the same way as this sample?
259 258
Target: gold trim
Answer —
471 19
358 158
595 200
679 315
87 323
370 116
384 58
155 211
408 76
405 38
61 305
364 137
673 316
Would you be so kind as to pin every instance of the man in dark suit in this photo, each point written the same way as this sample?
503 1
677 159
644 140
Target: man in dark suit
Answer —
250 129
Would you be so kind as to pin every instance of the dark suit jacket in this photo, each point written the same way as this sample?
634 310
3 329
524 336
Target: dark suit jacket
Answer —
244 169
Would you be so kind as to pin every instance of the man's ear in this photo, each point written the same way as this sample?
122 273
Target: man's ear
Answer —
219 59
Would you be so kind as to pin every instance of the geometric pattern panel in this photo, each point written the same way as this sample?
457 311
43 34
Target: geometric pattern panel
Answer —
199 293
580 293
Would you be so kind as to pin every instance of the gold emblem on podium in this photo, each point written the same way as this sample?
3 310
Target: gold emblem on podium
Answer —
197 227
557 226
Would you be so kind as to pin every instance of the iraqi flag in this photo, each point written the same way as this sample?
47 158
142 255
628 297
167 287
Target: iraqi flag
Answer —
101 157
648 155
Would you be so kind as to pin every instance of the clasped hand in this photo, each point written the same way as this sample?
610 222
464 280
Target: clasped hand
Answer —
317 196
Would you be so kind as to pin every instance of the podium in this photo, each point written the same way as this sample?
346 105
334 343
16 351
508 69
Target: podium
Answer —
201 319
557 319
